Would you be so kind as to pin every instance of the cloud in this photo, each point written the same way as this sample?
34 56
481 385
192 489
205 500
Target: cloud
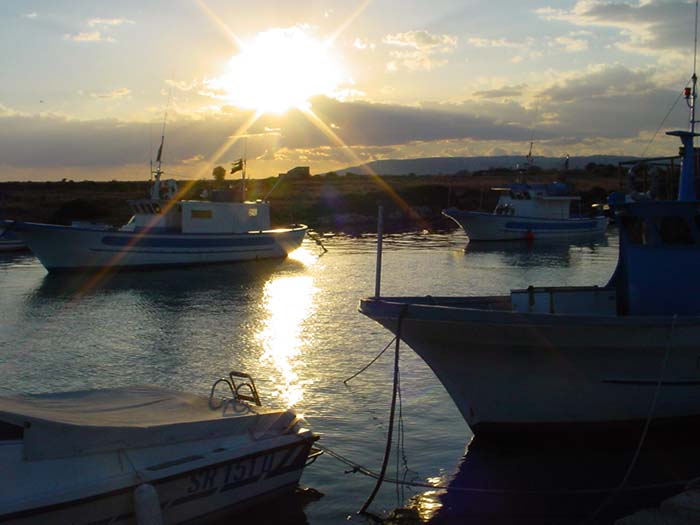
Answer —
109 22
114 94
503 92
183 85
498 42
423 41
603 108
647 26
31 15
418 50
362 44
93 36
570 44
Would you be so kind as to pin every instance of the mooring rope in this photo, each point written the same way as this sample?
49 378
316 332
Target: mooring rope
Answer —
371 362
392 413
611 491
360 469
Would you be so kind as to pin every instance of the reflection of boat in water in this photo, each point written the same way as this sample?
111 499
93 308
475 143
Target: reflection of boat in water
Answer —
555 484
165 231
168 282
528 211
560 359
548 252
145 450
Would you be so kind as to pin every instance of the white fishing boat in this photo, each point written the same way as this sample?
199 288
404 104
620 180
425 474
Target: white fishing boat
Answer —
145 454
528 211
166 231
9 242
576 358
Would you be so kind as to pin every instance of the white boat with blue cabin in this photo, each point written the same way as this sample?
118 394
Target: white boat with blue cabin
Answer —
165 231
528 211
146 454
577 359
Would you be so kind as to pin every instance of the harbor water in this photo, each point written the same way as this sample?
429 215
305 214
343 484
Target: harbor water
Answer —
295 327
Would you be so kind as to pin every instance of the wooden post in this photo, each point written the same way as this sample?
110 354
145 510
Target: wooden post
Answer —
380 239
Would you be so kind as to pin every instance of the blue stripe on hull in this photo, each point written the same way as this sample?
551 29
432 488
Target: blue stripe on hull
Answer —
189 242
544 226
178 252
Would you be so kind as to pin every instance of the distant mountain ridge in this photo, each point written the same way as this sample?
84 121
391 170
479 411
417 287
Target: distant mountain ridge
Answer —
451 165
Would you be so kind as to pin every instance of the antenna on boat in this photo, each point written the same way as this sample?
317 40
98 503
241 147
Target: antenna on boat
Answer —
158 171
691 92
245 156
686 183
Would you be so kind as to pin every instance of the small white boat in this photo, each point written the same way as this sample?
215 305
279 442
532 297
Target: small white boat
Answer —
123 455
165 231
561 359
528 211
10 242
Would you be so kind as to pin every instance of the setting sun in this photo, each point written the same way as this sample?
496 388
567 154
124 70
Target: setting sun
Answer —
278 70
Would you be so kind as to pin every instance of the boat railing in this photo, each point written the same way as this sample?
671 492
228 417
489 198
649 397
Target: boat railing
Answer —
240 385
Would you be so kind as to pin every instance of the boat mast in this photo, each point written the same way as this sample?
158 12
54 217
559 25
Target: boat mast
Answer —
686 184
245 154
694 78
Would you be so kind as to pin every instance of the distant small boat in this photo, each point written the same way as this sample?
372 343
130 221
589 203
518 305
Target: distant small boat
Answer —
10 242
528 211
165 231
117 455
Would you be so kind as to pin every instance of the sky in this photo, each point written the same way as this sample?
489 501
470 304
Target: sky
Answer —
86 86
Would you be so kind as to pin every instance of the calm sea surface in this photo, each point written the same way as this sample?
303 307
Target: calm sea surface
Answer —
294 326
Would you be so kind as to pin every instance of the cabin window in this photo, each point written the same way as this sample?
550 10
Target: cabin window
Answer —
201 214
252 212
156 208
636 229
675 230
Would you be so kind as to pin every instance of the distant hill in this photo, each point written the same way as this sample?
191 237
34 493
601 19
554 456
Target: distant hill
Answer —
450 165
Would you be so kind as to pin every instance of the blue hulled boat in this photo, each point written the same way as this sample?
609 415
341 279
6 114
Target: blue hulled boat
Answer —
550 359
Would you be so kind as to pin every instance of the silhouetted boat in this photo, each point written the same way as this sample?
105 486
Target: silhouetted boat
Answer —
165 231
111 455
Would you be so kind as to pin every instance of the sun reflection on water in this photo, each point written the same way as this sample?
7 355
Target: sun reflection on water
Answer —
304 256
288 302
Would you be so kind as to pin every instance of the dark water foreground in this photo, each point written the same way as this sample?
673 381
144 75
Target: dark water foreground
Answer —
294 325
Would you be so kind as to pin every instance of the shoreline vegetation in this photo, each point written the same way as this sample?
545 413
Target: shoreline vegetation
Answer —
326 203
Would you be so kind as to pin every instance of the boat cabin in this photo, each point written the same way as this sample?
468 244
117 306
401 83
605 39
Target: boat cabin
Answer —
218 215
545 201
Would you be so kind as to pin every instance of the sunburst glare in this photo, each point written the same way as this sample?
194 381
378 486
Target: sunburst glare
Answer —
288 301
278 70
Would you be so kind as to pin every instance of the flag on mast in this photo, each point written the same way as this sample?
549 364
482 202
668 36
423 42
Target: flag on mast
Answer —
236 166
160 151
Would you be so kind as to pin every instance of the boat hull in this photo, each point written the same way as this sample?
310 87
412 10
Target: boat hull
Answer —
74 248
189 496
480 226
537 373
